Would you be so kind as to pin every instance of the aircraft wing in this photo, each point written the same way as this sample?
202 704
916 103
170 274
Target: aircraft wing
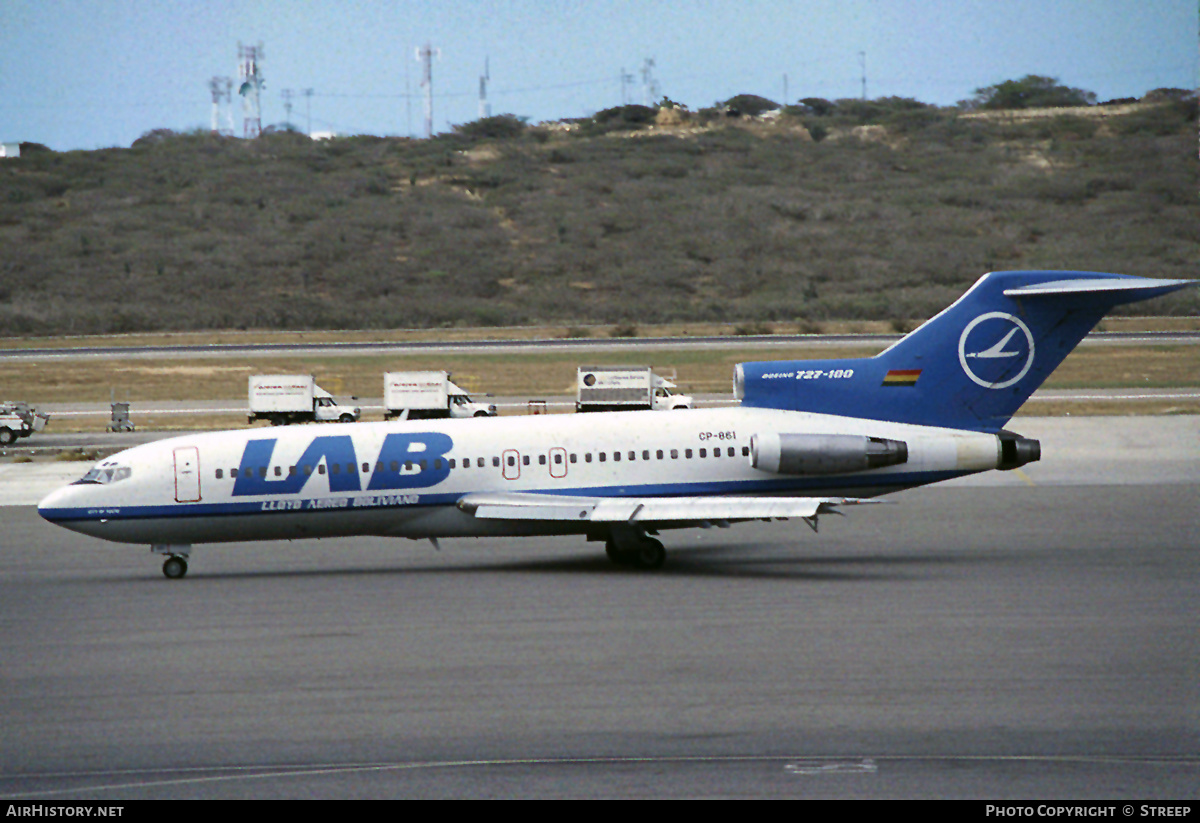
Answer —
649 510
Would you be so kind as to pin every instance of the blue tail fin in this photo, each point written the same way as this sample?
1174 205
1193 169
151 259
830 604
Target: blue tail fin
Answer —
970 367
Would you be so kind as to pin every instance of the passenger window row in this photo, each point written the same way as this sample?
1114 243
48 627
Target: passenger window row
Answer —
481 462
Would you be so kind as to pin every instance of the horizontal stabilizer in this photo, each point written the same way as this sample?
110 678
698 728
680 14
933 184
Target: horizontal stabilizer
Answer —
518 506
1141 288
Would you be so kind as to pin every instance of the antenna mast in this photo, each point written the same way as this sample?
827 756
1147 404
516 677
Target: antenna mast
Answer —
308 93
485 108
426 54
221 88
287 95
649 84
626 79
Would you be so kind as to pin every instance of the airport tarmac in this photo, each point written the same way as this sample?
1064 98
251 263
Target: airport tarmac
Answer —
1029 635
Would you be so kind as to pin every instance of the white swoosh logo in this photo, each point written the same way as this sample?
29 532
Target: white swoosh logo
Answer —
998 349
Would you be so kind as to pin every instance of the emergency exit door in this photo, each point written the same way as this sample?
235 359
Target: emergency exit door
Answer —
558 462
187 474
511 462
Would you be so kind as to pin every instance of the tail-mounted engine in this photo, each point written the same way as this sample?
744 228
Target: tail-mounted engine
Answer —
824 453
1016 451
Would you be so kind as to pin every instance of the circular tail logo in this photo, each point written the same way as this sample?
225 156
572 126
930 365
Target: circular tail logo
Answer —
996 350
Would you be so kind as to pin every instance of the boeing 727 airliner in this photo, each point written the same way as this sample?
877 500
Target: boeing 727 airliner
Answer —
808 438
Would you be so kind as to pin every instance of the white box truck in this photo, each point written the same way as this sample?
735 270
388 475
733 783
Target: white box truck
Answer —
625 388
19 420
422 395
295 398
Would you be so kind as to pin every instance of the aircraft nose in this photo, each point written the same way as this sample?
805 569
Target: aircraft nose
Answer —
55 507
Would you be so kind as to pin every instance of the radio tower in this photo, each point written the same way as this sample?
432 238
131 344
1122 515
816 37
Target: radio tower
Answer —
649 84
485 108
426 54
626 80
287 95
250 85
308 93
221 87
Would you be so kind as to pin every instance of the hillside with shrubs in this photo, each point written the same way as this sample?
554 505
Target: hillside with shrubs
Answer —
746 211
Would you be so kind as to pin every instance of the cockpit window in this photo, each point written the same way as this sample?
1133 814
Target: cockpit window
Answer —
105 474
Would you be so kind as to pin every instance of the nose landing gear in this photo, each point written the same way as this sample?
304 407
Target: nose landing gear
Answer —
175 566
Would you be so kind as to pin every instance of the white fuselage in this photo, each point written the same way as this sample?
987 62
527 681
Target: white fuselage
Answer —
404 478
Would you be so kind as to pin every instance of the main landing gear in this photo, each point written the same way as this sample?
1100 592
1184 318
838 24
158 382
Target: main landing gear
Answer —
175 566
629 546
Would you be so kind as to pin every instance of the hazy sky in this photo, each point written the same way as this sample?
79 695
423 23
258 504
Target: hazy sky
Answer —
82 74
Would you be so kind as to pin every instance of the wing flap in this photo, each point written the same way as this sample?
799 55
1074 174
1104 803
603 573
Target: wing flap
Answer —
518 506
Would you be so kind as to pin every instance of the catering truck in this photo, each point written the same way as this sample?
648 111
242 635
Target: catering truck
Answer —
625 388
18 420
295 398
422 395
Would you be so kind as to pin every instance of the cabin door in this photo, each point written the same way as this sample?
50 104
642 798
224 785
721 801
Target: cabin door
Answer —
187 474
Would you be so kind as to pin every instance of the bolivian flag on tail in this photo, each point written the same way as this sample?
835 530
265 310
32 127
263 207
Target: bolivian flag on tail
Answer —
901 377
